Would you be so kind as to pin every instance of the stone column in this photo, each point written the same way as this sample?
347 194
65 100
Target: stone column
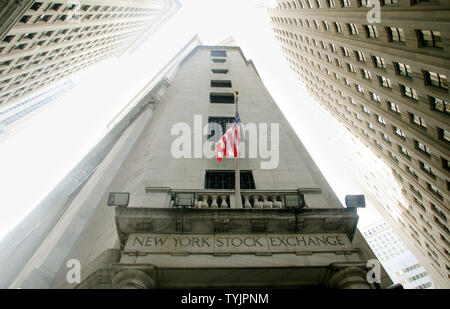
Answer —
349 278
132 279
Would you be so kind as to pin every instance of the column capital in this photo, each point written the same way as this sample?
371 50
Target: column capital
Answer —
350 277
132 279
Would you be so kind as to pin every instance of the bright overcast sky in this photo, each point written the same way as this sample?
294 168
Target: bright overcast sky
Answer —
40 153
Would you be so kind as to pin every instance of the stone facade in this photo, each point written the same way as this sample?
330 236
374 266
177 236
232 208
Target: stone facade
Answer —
153 243
386 81
44 41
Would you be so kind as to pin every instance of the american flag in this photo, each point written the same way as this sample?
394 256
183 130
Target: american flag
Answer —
228 145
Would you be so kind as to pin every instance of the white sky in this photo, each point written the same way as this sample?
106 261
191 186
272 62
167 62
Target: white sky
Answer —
36 157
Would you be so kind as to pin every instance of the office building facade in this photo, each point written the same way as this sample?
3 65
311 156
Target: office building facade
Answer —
385 80
15 114
44 41
399 263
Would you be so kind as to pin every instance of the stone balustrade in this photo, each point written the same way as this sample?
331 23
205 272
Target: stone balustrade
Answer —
262 199
209 199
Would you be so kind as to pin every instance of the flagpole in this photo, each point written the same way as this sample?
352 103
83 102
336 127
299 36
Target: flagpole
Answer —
237 176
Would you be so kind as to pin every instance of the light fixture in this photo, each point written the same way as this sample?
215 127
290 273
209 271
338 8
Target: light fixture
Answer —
184 200
119 199
355 201
294 200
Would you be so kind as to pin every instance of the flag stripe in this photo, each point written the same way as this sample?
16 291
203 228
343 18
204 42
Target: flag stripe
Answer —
228 145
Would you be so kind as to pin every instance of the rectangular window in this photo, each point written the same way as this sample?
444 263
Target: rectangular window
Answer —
385 82
404 151
337 26
353 29
219 71
225 180
221 83
351 68
396 34
345 51
434 190
8 38
444 135
360 55
25 19
222 98
445 164
430 38
440 105
375 97
366 74
381 120
371 31
218 53
363 3
36 6
399 132
214 133
333 48
413 189
417 120
427 169
390 2
346 3
393 157
379 62
422 147
403 69
218 60
394 107
359 88
436 79
413 172
410 92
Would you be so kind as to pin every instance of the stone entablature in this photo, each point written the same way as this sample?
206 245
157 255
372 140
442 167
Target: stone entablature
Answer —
236 243
234 221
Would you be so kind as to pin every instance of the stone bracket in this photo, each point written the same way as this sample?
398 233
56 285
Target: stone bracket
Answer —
296 225
258 225
222 225
331 224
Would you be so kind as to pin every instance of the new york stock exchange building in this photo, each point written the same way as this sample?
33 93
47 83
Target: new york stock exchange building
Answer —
158 212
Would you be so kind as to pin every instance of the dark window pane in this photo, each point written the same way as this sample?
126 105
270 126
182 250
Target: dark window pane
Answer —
224 122
218 53
221 98
221 83
225 180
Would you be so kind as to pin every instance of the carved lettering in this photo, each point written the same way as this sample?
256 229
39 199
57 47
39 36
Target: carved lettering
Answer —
198 243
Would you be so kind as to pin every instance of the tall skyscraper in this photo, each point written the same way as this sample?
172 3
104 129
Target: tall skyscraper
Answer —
18 246
14 114
383 75
398 261
43 41
173 220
